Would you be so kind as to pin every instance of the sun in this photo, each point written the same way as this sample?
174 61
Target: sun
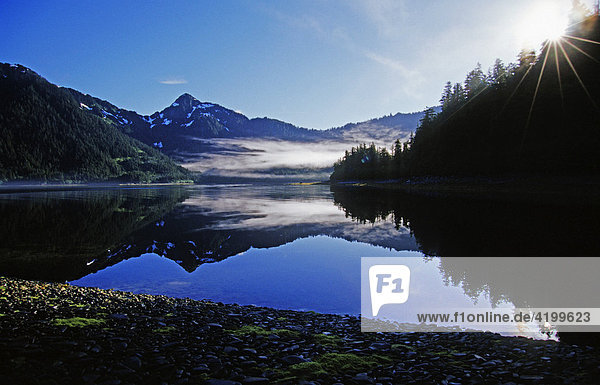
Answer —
547 20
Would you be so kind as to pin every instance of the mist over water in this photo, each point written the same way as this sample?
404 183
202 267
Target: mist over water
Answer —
270 158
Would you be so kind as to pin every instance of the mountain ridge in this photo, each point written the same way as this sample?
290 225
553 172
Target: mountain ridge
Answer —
203 136
187 117
45 136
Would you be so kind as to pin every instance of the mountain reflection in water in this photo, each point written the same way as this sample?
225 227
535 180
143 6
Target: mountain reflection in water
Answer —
62 236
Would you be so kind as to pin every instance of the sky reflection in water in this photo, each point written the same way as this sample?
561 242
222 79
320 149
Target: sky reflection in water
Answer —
299 247
318 273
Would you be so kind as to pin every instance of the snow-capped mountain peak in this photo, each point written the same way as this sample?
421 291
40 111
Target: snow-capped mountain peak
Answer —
201 119
186 122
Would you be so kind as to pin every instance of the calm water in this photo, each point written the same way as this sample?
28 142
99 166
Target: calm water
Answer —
299 247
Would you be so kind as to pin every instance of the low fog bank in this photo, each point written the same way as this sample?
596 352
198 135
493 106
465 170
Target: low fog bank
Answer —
268 158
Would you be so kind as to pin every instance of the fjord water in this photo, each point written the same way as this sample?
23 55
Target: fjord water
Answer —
299 247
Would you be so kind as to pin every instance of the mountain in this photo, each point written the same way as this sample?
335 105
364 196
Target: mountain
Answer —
188 118
83 138
46 135
398 126
222 145
183 126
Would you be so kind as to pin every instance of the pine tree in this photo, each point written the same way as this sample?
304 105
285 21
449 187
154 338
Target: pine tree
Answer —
475 81
446 99
458 94
498 74
526 58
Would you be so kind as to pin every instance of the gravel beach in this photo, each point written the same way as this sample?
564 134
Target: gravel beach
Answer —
62 334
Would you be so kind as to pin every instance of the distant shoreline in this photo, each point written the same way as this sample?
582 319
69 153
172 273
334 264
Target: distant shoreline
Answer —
539 189
14 187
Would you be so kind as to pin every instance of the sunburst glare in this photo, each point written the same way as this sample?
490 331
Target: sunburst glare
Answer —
545 20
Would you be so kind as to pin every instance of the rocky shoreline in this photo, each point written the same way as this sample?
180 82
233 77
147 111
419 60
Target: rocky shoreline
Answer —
61 334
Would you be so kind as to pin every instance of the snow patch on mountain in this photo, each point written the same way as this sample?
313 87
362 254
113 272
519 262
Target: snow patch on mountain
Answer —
149 119
189 115
105 113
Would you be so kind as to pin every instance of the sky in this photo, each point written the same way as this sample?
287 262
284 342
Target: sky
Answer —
313 63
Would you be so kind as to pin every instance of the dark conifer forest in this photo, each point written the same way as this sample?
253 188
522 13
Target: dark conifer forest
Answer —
46 136
538 116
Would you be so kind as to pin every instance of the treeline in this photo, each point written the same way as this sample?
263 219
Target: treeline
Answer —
540 115
46 136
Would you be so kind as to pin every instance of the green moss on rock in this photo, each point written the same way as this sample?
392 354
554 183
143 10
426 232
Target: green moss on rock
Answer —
347 362
327 339
166 329
77 322
257 330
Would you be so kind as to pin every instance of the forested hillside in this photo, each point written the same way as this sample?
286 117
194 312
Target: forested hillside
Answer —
538 116
45 135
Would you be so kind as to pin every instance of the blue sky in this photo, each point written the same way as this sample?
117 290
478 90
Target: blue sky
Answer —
317 64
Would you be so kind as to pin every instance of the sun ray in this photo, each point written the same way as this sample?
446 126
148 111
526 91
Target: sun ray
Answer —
577 76
516 89
537 88
582 51
465 104
520 82
562 96
581 39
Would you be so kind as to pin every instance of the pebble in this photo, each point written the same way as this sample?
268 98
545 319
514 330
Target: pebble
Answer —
156 340
133 362
293 359
201 368
380 346
363 378
255 380
221 382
